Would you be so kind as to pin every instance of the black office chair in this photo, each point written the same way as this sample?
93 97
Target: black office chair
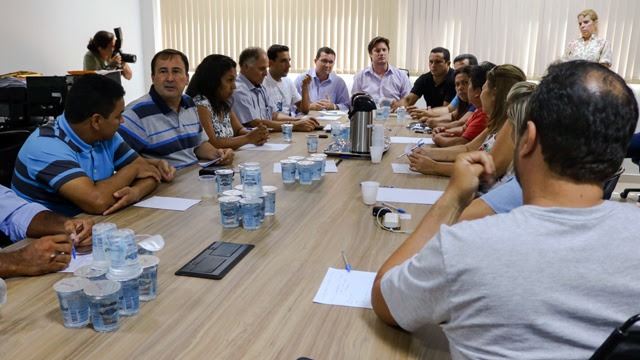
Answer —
633 152
10 143
626 191
622 344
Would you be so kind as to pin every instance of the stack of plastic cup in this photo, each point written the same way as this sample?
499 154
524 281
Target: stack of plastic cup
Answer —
252 186
230 211
317 170
103 298
306 169
101 233
123 253
88 272
74 305
288 167
269 200
224 180
324 162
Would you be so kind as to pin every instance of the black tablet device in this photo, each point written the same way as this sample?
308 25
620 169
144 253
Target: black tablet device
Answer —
215 261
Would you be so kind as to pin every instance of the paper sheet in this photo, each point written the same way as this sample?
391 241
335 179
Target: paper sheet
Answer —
343 288
328 117
265 147
410 140
402 169
167 203
333 112
208 163
408 196
79 261
330 167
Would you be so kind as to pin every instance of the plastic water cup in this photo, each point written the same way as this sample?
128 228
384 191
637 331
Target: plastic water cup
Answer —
252 186
129 301
385 111
103 298
262 206
123 252
376 154
233 192
148 280
241 171
317 168
224 179
269 200
312 143
74 305
100 239
346 130
230 211
324 162
287 132
306 169
288 171
380 114
369 192
90 273
336 131
250 212
3 292
208 185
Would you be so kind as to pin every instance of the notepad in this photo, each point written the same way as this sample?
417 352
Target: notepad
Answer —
343 288
265 147
408 196
167 203
403 169
410 140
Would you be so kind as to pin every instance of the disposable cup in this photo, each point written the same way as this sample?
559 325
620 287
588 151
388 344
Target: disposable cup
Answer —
369 192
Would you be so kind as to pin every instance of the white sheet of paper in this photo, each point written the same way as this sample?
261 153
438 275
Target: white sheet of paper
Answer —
265 147
328 117
402 169
327 127
333 112
410 140
167 203
343 288
409 196
330 167
79 261
208 163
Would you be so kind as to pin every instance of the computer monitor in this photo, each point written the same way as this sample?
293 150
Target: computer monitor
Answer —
46 95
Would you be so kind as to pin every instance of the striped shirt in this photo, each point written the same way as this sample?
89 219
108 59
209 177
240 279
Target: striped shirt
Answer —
156 131
54 155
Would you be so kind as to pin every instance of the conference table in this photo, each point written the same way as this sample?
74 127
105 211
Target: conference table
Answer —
263 308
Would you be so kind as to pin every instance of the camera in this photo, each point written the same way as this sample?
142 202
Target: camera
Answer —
128 58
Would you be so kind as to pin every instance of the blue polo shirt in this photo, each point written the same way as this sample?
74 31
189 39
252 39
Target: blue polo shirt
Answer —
156 131
54 155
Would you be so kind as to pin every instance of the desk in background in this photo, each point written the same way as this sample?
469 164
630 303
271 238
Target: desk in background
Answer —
263 308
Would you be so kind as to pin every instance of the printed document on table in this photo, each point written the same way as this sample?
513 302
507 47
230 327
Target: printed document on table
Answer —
408 196
410 140
265 147
167 203
79 261
328 117
330 167
333 112
403 169
343 288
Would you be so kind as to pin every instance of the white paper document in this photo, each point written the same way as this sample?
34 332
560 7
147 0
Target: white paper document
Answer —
328 117
402 169
330 167
408 196
410 140
333 112
79 261
209 163
343 288
265 147
167 203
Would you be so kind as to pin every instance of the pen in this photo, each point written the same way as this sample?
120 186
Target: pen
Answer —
401 211
73 245
346 263
420 143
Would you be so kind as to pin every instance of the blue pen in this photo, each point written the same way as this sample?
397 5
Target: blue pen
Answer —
401 211
73 246
346 263
420 143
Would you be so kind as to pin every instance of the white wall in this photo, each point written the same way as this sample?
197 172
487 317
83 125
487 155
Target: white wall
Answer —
50 36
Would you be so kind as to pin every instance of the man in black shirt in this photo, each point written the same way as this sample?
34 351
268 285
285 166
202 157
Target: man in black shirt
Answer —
437 86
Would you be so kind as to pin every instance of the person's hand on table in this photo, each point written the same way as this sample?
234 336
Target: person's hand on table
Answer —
45 255
126 196
167 172
421 163
259 135
305 125
226 156
146 170
79 231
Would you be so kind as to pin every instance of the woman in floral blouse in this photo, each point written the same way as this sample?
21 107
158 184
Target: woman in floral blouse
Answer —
211 88
589 46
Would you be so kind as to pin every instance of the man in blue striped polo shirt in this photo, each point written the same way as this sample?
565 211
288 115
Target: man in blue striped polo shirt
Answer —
164 124
69 166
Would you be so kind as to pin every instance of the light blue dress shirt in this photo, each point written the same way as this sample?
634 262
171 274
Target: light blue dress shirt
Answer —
334 86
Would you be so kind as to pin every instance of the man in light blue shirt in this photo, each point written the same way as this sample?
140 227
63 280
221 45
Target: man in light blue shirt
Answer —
250 101
327 91
381 80
20 219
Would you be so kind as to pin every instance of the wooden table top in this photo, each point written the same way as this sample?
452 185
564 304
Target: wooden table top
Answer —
263 308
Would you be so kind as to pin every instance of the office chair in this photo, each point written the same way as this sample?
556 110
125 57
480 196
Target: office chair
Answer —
622 344
633 152
405 71
610 184
10 144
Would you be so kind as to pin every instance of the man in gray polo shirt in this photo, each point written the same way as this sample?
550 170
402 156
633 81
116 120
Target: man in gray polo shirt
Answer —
546 280
251 103
164 124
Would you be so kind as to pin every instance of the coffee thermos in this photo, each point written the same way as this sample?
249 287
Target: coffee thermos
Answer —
361 115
